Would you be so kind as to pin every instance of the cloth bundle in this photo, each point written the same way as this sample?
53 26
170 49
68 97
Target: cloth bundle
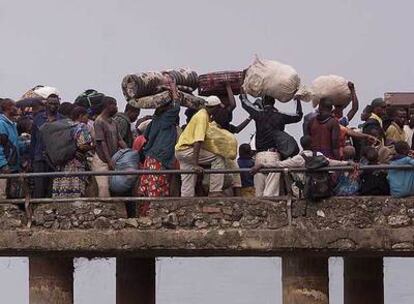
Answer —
331 86
149 83
214 83
40 92
163 98
271 78
146 90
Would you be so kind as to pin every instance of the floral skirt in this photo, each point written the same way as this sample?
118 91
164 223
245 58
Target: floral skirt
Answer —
154 185
73 186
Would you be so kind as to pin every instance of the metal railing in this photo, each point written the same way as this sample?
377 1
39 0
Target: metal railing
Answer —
27 200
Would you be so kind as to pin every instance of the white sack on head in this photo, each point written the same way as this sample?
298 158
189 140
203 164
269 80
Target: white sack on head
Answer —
332 86
272 78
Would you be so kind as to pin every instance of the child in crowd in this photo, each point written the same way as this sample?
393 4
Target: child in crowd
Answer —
245 160
348 182
373 182
401 181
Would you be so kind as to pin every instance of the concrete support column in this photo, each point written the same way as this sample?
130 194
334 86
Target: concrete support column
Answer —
135 280
363 280
305 280
50 280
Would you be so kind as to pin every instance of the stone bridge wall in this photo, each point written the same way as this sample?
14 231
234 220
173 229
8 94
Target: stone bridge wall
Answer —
338 226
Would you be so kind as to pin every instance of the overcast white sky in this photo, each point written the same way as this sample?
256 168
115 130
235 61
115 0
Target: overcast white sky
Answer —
80 44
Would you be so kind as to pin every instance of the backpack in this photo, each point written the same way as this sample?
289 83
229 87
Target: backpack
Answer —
317 183
285 144
57 137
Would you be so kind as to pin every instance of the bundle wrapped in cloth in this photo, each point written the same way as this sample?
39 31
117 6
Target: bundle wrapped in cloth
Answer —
214 83
40 92
271 78
331 86
161 99
149 83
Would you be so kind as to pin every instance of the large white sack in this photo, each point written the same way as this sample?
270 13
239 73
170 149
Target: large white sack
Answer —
332 86
272 78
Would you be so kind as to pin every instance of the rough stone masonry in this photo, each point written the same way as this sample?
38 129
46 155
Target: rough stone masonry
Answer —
203 227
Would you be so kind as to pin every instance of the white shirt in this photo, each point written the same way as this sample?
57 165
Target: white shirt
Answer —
299 161
408 134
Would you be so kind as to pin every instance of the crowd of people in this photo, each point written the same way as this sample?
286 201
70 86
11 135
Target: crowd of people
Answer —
207 140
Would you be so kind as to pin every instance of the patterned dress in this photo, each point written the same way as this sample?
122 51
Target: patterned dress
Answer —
154 185
74 186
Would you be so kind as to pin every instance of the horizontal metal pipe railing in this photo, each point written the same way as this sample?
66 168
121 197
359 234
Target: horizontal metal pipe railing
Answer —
206 171
123 199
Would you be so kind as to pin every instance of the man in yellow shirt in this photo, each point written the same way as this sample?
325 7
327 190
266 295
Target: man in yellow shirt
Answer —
191 153
395 131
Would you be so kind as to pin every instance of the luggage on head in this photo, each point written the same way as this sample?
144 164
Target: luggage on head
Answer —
90 99
163 98
271 78
149 83
215 83
333 87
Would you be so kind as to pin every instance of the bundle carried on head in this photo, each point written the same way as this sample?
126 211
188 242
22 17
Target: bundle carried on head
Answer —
147 90
215 83
40 92
333 87
271 78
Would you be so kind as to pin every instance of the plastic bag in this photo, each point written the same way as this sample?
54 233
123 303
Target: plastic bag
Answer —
125 160
272 78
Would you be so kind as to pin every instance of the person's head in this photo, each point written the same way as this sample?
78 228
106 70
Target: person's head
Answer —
306 142
378 107
80 114
8 108
366 113
52 104
132 112
109 106
65 109
245 151
398 116
371 155
325 107
189 113
402 147
338 111
349 153
374 132
24 125
268 101
212 104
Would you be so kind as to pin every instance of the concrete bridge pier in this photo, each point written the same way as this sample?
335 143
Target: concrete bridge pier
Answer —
363 280
51 280
135 280
305 280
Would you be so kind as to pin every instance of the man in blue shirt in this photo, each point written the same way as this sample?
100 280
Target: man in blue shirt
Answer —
9 143
245 161
401 181
42 185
